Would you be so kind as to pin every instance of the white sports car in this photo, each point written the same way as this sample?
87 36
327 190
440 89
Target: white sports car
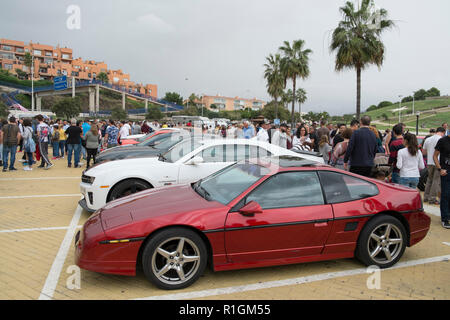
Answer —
187 162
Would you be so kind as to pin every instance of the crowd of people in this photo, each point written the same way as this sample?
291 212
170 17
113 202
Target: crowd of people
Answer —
72 139
354 148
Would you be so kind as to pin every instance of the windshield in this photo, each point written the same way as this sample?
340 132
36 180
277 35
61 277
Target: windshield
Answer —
156 139
180 150
168 143
228 183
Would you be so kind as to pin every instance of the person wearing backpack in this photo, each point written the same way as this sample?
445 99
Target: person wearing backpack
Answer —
43 131
28 144
55 141
10 137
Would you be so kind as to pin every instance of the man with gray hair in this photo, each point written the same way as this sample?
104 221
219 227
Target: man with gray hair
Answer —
361 149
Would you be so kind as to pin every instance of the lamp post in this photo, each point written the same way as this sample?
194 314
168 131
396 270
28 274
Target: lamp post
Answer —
417 123
399 107
32 79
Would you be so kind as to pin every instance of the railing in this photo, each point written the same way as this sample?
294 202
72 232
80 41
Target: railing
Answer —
81 83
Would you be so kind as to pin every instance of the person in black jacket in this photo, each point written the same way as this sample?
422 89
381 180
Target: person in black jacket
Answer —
361 150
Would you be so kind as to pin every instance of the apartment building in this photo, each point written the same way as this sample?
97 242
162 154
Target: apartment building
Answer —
221 103
50 62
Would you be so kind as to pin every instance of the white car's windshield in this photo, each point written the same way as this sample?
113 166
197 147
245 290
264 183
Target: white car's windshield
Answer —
180 150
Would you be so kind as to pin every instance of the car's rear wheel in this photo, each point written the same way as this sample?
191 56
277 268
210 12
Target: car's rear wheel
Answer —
174 258
127 187
382 242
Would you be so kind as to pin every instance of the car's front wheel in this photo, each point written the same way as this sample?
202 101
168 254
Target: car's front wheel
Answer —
127 187
382 242
174 258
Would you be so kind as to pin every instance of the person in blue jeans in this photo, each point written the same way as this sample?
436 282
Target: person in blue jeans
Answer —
73 142
442 160
10 135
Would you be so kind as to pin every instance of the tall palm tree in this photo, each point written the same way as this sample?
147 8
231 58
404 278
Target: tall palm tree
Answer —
301 98
357 40
274 77
294 64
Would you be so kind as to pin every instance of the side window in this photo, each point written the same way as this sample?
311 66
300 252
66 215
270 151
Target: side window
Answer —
258 152
238 152
342 188
213 154
289 189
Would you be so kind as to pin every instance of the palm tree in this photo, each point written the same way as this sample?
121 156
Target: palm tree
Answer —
287 98
294 64
274 77
103 77
357 41
301 98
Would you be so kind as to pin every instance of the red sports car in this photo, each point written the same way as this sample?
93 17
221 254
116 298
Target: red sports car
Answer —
261 213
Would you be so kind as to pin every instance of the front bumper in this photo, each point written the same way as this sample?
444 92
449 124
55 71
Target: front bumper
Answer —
94 196
84 205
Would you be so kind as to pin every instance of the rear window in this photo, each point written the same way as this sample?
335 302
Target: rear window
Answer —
340 187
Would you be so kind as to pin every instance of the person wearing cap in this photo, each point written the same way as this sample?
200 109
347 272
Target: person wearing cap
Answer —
263 135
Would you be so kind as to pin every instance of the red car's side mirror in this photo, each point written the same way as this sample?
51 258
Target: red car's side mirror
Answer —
250 209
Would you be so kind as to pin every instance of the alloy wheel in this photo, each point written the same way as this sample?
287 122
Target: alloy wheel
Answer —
385 243
175 261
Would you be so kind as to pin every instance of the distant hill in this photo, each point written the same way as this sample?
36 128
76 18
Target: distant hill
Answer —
433 113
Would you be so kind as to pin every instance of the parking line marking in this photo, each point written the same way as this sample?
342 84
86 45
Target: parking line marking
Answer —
55 271
446 243
287 282
432 210
43 196
43 178
35 229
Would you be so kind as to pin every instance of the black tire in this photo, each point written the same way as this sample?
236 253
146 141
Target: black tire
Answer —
127 187
371 241
169 264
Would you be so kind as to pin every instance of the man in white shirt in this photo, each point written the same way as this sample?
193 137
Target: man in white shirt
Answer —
125 130
280 137
434 178
262 133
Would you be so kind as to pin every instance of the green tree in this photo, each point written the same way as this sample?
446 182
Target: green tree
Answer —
273 110
407 99
28 61
154 113
118 113
433 92
67 108
294 64
372 108
103 77
174 98
274 78
22 75
420 94
4 112
384 104
357 40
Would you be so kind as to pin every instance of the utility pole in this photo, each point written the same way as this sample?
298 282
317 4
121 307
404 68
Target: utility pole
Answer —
32 80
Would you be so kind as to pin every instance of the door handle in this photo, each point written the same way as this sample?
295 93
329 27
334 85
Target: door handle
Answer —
321 224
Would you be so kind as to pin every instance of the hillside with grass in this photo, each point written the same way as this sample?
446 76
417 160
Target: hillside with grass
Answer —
433 113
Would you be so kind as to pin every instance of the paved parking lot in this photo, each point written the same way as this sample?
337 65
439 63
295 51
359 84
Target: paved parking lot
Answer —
39 217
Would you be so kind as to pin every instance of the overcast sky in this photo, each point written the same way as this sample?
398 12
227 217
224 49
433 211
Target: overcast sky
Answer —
220 46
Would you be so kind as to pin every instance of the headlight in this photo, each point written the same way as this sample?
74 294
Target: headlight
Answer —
87 179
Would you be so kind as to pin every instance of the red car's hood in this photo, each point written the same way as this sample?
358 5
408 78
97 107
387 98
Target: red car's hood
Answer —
153 203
